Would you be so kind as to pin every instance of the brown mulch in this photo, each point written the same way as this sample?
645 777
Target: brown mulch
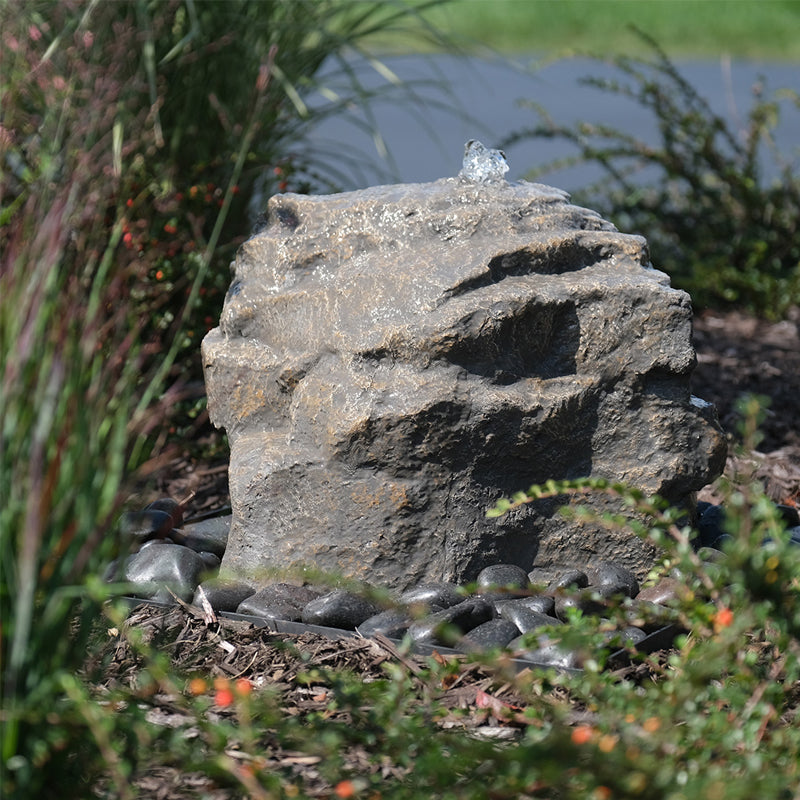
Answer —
739 355
296 670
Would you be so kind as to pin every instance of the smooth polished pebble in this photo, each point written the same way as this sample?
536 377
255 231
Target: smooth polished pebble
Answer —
666 591
710 525
278 601
648 616
722 541
624 637
223 596
392 623
789 514
525 618
711 554
339 609
494 633
171 506
464 617
154 544
211 560
569 579
144 525
541 603
114 571
502 575
542 577
608 574
208 534
433 593
495 616
585 601
160 566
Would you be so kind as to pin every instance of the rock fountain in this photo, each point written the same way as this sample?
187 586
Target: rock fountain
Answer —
389 362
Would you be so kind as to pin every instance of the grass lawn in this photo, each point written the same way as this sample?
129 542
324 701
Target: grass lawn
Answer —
755 29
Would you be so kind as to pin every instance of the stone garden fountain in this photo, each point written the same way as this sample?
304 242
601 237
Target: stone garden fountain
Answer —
390 362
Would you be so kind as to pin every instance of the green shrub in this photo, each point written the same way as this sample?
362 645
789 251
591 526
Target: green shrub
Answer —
726 701
713 222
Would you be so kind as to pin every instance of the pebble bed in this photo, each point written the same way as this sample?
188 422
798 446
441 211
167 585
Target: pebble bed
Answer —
172 558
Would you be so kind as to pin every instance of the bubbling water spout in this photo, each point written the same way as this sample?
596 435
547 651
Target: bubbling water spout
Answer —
482 165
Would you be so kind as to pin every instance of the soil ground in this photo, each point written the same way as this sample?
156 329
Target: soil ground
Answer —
480 701
736 354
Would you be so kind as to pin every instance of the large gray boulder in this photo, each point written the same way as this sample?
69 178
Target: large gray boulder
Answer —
390 362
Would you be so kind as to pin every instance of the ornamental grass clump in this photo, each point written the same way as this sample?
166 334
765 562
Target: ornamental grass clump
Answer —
225 94
231 90
105 250
722 229
74 372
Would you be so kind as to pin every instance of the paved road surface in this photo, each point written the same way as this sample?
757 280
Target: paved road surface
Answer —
426 142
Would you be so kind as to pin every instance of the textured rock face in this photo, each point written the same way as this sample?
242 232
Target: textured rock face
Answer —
390 362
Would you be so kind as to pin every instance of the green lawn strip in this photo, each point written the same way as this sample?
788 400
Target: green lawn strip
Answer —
751 29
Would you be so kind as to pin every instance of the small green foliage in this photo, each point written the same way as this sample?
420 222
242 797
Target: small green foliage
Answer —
703 721
712 220
726 702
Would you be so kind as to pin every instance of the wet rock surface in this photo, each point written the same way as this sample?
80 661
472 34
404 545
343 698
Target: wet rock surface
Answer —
390 362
